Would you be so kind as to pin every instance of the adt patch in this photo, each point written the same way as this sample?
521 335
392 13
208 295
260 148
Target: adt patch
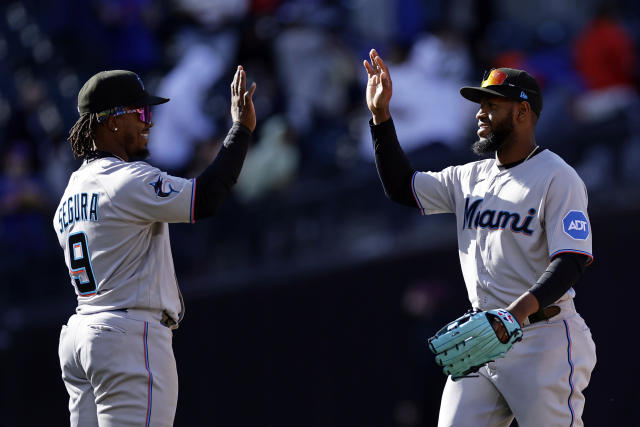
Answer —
575 224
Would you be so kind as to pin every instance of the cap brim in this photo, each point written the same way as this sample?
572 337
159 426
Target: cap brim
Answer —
475 94
155 100
148 99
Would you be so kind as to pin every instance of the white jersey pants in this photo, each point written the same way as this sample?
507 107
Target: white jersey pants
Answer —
539 382
119 370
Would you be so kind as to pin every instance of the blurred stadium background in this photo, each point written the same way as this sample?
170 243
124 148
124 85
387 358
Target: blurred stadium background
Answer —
310 297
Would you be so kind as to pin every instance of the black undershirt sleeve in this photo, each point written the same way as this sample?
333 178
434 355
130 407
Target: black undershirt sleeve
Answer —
214 184
564 271
392 164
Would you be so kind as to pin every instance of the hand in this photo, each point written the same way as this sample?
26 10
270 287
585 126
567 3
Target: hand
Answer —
379 88
524 306
242 109
501 331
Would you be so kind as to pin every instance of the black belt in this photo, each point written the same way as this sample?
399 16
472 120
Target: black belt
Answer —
544 314
167 320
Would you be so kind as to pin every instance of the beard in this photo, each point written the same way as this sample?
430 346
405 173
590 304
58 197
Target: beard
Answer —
141 154
495 140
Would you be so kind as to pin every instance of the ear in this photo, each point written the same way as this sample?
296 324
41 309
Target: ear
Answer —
523 111
112 123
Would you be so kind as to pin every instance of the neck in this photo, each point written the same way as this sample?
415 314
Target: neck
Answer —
105 141
516 150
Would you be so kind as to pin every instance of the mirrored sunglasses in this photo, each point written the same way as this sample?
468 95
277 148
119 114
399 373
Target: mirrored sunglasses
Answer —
144 113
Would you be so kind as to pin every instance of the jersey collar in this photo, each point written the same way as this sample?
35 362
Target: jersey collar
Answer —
537 151
98 154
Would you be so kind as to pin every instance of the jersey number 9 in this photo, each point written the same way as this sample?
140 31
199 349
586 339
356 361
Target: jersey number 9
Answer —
80 265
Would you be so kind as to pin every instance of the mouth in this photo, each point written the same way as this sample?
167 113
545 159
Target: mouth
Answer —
483 129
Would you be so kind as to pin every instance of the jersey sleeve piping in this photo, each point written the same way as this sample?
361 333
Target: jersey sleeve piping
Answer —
415 195
192 209
572 251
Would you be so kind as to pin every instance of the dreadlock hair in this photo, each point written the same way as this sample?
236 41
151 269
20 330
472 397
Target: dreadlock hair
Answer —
81 135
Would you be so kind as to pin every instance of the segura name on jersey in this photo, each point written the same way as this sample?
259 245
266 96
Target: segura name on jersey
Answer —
78 208
492 219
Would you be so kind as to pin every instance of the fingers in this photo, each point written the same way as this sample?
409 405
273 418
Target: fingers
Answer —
501 331
372 55
377 67
242 81
367 67
234 83
381 65
384 77
249 94
239 84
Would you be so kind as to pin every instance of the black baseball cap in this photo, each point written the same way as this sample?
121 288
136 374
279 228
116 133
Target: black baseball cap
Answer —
517 85
114 88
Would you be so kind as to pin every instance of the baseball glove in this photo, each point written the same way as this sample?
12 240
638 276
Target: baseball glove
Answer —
469 342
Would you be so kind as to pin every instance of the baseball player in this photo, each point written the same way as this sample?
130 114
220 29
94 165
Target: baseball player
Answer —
116 351
524 240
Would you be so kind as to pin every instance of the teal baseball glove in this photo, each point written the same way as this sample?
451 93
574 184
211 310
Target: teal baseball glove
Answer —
469 342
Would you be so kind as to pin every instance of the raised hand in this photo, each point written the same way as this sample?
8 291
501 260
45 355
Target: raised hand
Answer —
242 109
379 88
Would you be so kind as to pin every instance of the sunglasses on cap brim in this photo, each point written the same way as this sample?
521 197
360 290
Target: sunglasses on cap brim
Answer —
495 78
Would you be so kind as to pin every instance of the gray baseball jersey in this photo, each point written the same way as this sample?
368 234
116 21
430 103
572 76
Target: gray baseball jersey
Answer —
510 222
112 225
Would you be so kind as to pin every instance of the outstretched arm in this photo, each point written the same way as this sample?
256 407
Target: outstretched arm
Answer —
215 183
392 164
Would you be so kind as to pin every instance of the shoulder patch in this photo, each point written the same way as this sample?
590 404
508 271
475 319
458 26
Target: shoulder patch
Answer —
162 187
575 224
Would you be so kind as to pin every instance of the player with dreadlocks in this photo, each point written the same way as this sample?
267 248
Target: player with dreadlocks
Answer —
116 351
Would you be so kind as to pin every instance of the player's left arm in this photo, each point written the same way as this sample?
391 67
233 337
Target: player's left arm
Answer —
563 272
214 184
566 224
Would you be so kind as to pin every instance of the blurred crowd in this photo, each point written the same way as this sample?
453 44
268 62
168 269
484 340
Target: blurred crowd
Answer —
312 149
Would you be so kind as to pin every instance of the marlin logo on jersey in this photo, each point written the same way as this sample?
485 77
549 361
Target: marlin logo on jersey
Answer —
496 220
160 189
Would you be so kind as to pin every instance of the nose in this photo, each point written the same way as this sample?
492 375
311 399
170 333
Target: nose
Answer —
481 114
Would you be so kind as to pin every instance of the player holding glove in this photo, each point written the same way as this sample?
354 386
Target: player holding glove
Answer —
469 342
524 241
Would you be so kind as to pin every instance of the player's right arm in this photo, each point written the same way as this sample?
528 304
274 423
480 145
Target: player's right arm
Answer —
392 164
430 192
